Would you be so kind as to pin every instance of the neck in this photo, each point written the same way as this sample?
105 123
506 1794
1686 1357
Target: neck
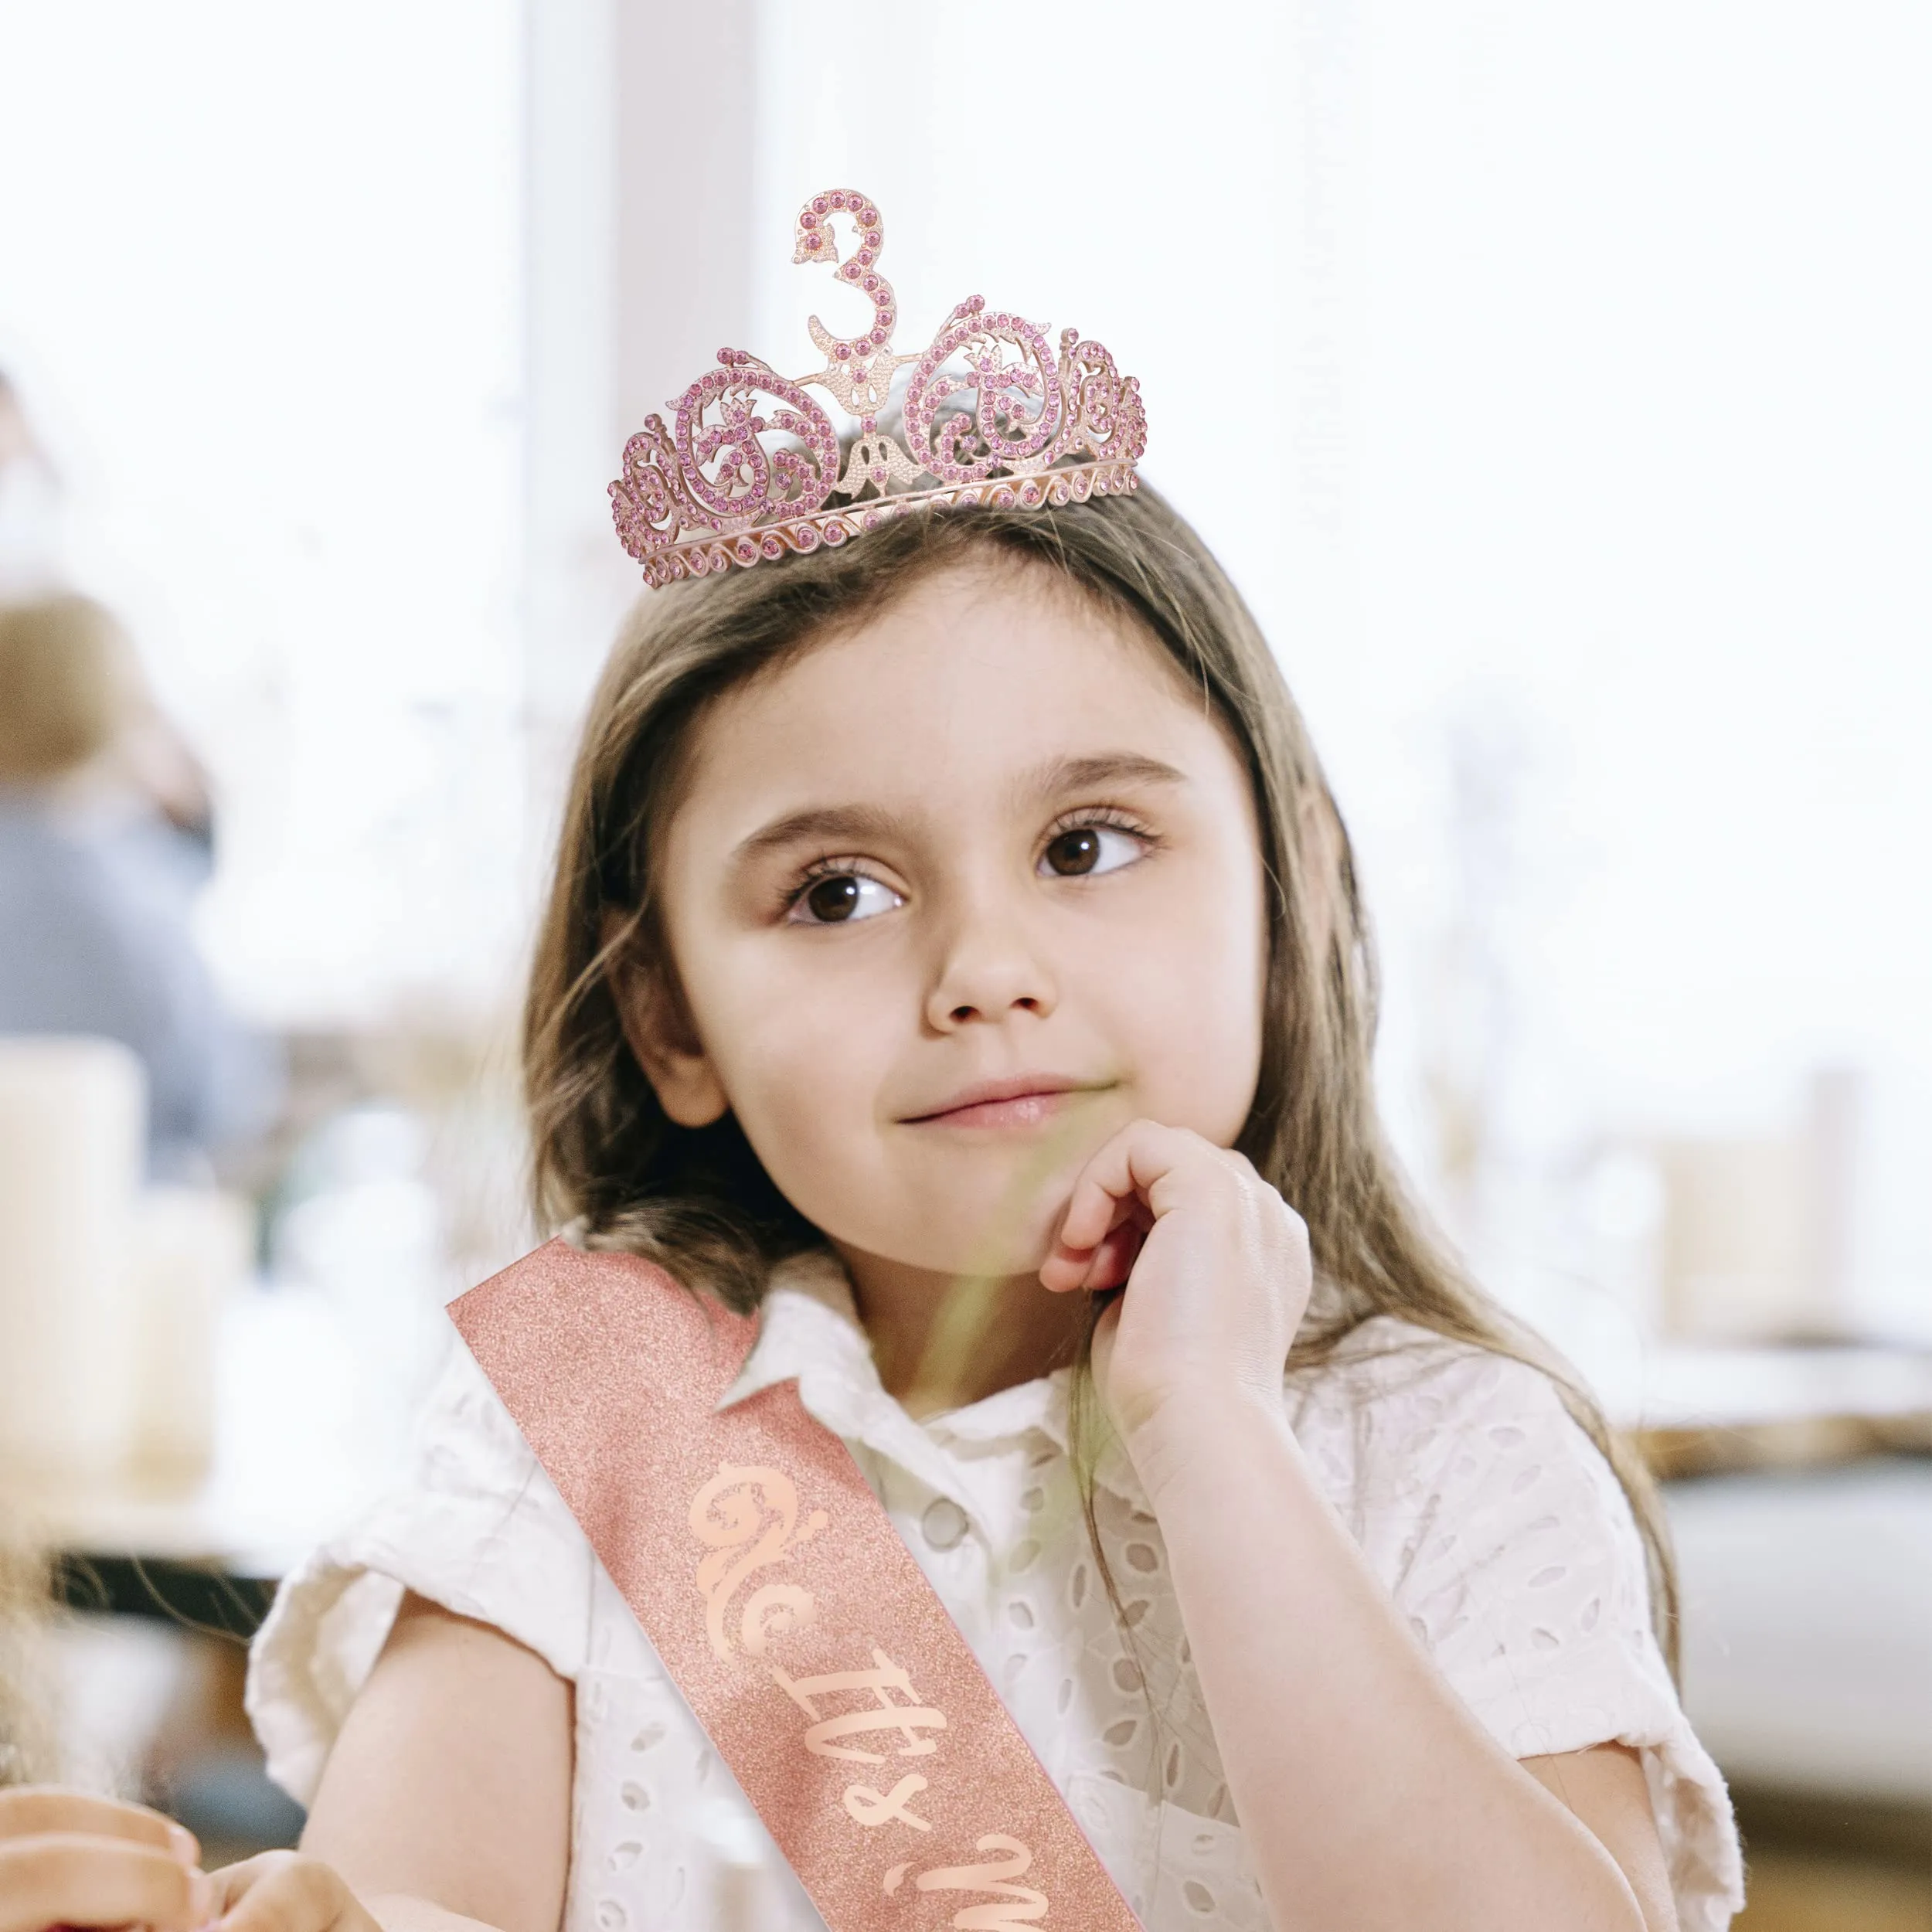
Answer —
941 1341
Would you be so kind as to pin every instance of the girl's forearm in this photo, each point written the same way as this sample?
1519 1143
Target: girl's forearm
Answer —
1370 1795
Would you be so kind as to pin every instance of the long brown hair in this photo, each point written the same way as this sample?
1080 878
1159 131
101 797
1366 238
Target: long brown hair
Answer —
699 1202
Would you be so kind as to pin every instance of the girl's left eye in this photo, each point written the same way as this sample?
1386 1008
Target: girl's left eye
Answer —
1082 851
837 899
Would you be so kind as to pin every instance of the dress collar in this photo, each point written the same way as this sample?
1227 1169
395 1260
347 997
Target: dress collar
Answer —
808 1331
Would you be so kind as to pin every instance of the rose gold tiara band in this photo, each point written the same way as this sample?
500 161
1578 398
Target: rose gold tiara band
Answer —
727 483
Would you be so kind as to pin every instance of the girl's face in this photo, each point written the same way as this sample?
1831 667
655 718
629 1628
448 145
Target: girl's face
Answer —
951 898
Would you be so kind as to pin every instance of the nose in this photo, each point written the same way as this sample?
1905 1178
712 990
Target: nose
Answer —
989 969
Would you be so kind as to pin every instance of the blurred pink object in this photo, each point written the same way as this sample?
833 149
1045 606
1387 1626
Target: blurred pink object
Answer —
709 492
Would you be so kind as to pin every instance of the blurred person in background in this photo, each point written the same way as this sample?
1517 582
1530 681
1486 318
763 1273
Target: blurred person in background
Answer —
105 838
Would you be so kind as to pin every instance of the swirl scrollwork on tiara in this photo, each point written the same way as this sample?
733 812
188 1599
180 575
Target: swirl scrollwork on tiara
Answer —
992 415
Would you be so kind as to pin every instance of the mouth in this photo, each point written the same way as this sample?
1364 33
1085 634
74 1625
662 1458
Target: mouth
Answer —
1023 1100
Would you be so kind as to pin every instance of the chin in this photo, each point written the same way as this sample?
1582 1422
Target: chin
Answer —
984 1248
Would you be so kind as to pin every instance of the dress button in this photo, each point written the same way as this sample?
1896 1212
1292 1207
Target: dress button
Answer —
944 1523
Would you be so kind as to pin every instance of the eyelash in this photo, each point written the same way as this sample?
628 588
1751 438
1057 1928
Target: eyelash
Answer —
827 868
1106 817
1111 818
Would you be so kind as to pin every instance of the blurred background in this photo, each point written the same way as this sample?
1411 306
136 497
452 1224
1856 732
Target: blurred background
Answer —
1573 361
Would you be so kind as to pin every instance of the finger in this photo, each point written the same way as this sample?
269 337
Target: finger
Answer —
1113 1260
30 1811
1068 1268
283 1892
71 1878
1131 1165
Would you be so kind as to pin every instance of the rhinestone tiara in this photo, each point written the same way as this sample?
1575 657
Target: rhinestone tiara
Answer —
746 470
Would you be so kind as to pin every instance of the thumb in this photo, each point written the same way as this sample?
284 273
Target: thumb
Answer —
287 1891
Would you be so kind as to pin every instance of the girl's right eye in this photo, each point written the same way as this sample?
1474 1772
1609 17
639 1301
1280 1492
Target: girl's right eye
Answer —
837 899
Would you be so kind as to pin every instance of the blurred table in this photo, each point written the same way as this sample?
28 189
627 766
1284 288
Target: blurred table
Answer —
298 1452
171 1560
285 1477
1710 1411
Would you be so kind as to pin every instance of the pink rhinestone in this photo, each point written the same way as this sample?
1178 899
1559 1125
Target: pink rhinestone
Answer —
807 219
772 547
865 258
818 204
870 218
872 239
834 533
843 351
839 200
872 281
812 241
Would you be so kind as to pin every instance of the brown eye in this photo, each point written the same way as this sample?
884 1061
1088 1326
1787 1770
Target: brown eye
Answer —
842 899
1075 852
832 900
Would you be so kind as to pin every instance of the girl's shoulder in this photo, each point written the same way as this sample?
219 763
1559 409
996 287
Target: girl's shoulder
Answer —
1403 1426
1387 1371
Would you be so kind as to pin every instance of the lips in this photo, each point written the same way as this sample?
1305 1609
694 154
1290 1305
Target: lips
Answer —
1022 1100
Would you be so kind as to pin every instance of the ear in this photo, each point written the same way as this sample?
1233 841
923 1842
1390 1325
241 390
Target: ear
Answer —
1320 832
658 1029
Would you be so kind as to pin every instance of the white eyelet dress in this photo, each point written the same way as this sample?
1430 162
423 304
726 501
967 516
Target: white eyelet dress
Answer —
1493 1522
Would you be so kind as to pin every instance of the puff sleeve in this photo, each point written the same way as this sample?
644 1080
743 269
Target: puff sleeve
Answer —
476 1526
1507 1543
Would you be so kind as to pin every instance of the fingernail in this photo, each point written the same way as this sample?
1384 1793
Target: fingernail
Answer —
183 1843
201 1899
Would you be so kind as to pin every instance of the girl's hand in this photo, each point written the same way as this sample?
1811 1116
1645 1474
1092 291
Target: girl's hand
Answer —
1216 1269
286 1892
66 1860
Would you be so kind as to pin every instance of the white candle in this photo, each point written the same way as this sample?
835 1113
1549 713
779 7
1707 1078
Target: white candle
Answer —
193 1248
72 1116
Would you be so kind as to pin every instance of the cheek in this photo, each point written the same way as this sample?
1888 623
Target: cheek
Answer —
1188 995
802 1058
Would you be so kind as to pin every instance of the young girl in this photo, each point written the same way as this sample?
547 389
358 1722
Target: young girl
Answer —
952 930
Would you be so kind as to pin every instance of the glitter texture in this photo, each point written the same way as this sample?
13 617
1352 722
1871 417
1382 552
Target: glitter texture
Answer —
806 1640
711 490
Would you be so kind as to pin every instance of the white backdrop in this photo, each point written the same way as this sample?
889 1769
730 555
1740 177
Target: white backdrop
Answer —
1568 364
1553 381
259 279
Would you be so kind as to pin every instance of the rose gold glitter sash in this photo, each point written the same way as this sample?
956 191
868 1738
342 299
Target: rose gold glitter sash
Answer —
780 1599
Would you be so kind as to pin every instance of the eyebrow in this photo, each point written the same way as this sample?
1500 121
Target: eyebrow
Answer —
861 824
1103 768
869 823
